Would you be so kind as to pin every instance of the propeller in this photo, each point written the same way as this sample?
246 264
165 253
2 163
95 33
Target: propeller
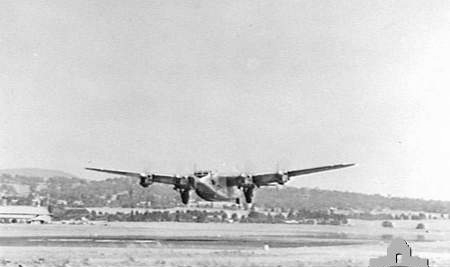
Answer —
243 176
147 168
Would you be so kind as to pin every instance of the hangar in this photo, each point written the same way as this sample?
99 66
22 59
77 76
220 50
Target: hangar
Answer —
24 214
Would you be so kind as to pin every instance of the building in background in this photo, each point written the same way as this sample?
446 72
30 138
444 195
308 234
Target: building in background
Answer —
24 214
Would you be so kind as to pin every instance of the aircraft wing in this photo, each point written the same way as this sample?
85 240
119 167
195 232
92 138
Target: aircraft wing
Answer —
158 178
282 177
318 169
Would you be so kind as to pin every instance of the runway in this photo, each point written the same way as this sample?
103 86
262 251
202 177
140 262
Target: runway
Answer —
158 241
198 244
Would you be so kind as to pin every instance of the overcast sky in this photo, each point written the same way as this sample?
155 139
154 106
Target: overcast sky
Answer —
231 86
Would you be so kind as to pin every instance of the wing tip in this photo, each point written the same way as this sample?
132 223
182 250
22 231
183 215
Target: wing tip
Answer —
348 165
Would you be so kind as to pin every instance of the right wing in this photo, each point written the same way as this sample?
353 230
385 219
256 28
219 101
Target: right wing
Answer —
282 177
157 178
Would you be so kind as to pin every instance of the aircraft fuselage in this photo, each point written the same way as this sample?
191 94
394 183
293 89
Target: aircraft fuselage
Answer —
213 187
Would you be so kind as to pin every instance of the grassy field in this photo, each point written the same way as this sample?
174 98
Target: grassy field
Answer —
190 244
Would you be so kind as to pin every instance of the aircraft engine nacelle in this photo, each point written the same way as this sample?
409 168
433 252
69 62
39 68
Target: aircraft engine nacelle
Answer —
192 182
244 180
283 178
146 181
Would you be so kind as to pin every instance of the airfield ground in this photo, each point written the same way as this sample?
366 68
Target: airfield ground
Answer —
192 244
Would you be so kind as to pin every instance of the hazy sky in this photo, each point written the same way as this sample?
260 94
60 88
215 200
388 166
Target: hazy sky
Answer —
231 85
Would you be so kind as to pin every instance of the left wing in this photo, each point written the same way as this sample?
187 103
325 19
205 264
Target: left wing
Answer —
157 178
282 177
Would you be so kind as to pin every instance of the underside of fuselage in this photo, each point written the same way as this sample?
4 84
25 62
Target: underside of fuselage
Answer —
212 189
209 194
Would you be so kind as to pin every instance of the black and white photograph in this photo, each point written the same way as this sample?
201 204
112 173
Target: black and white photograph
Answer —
197 133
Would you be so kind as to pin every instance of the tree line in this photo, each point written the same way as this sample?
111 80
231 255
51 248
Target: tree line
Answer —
202 216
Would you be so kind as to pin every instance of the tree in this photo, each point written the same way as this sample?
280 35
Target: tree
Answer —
291 214
201 217
93 215
224 216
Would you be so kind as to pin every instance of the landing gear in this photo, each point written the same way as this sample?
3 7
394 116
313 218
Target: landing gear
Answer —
248 193
184 196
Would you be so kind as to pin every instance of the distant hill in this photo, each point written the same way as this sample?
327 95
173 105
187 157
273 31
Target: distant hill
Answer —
311 199
36 172
125 192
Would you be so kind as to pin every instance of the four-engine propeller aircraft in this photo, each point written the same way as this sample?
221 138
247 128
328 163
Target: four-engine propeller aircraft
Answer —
211 186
